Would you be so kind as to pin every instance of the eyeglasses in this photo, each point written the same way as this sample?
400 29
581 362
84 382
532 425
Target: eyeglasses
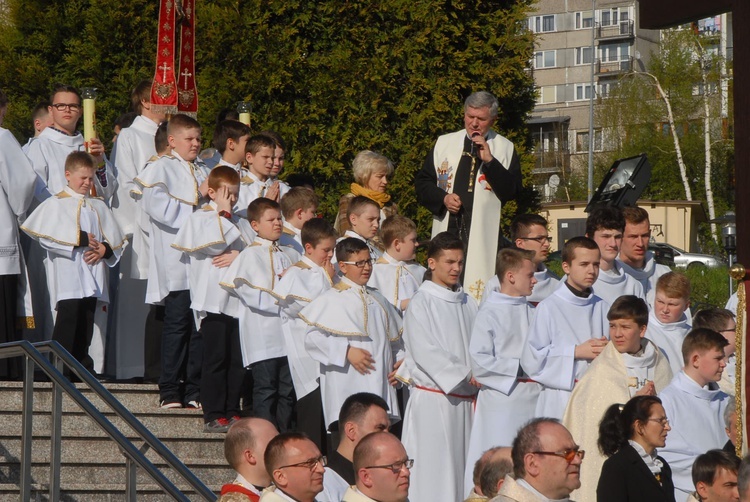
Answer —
310 464
396 466
66 106
541 239
661 421
728 330
359 264
568 454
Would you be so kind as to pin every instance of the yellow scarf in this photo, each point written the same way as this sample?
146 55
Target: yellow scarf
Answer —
381 198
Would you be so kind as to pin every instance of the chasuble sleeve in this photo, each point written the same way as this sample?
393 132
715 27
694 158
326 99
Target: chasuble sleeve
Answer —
425 182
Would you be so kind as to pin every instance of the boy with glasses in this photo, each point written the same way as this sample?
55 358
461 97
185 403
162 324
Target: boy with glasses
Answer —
354 333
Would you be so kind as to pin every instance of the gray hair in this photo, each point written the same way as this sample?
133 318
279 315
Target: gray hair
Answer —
527 441
367 163
482 99
731 408
493 472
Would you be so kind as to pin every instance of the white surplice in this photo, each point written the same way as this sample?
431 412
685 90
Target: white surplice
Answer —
349 315
168 193
614 283
291 237
504 403
696 415
546 284
302 282
669 337
251 278
647 276
561 322
437 421
396 280
375 251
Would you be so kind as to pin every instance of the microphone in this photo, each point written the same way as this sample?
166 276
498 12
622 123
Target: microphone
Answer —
474 145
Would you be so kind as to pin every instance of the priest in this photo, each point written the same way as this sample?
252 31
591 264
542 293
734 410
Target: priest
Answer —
463 182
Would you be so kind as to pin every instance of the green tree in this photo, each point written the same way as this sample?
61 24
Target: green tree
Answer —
331 77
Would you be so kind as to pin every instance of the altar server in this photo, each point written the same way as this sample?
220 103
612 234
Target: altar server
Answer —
668 323
298 205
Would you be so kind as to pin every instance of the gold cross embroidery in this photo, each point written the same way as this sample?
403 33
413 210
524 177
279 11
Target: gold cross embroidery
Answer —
477 289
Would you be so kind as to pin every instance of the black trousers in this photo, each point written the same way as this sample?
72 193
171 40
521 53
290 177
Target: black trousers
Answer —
152 344
222 371
74 328
181 351
10 369
310 419
273 392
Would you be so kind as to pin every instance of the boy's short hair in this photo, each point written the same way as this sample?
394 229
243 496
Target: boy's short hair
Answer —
141 92
180 122
357 405
161 139
125 120
349 247
298 198
604 217
223 175
443 241
634 215
396 227
367 163
259 206
700 340
63 88
674 285
315 230
713 318
276 137
228 129
629 307
569 249
358 204
40 110
707 465
511 259
79 160
522 223
258 141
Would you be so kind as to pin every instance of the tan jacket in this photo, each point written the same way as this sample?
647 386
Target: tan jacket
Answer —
513 492
353 495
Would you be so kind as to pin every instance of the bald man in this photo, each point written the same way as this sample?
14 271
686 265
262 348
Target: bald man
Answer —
382 469
489 473
244 446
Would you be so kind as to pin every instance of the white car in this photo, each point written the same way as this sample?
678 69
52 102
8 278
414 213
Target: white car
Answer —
683 259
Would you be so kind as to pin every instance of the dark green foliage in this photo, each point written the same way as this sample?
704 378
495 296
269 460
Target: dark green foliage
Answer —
332 77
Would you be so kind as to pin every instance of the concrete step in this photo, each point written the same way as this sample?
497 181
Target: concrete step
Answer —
83 492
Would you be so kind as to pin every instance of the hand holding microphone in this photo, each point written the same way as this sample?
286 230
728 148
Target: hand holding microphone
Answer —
479 145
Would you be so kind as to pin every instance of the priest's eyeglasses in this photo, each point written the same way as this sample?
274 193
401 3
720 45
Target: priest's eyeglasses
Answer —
66 106
568 453
359 264
310 463
396 466
541 239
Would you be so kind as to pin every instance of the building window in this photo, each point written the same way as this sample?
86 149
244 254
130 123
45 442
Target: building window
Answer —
544 59
584 20
583 55
542 24
614 52
547 94
583 91
605 89
582 141
609 17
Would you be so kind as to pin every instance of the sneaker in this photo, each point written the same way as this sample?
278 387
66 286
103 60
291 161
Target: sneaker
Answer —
168 404
195 405
220 425
233 419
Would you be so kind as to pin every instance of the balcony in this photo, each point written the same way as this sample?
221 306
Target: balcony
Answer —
623 29
613 68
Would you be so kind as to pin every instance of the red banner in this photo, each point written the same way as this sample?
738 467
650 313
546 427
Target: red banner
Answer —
164 88
186 88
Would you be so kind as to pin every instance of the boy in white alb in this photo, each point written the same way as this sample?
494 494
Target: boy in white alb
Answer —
230 140
80 235
668 322
252 278
302 283
212 238
529 232
437 421
298 206
507 398
635 258
364 218
629 366
568 331
279 158
722 321
170 190
395 274
695 406
604 226
355 335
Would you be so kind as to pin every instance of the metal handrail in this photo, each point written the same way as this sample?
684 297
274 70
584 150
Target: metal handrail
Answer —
33 356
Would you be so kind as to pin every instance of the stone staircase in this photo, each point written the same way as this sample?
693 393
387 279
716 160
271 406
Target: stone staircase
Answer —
93 468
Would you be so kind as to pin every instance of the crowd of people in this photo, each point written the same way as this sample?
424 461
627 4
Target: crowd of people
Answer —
328 336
